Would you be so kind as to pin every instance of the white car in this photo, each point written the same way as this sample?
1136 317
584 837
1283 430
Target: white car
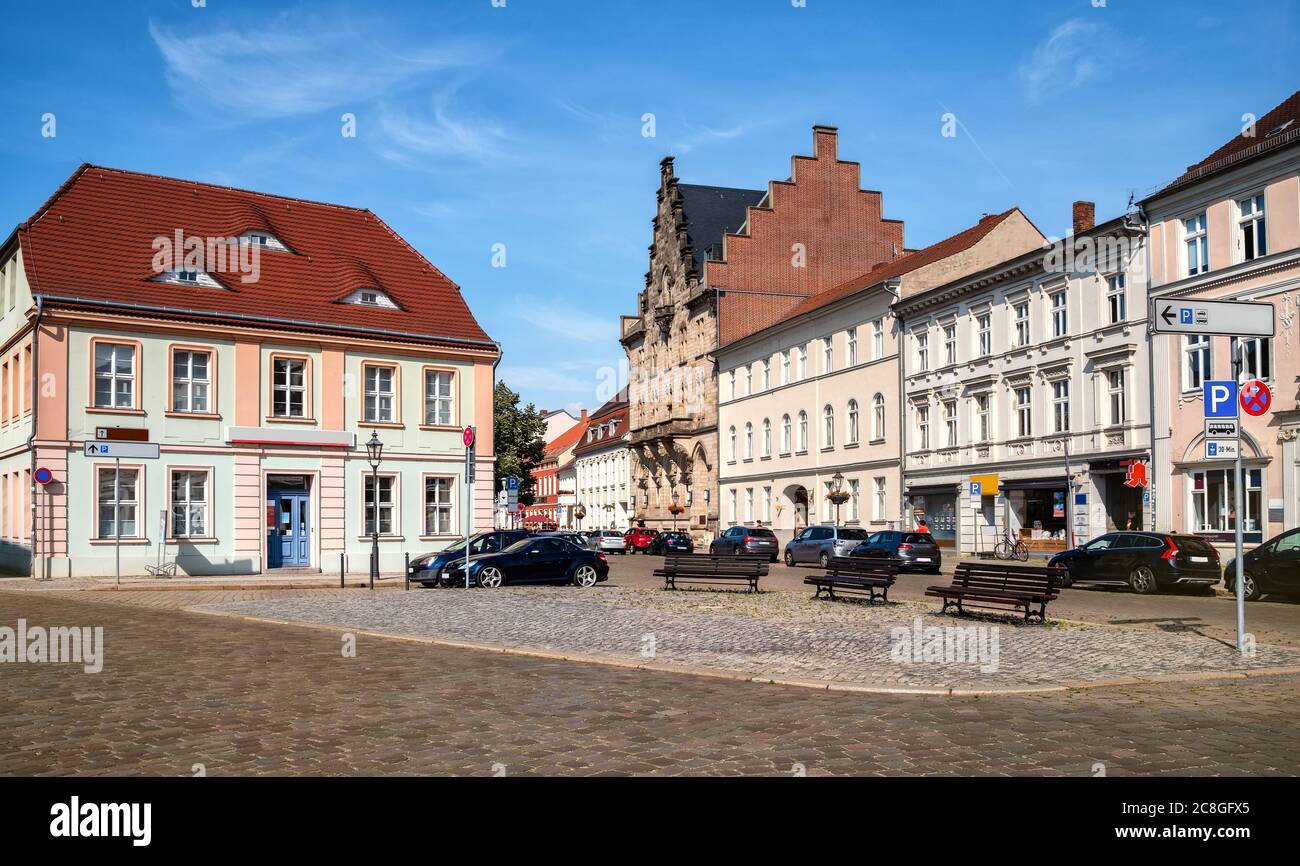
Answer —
610 540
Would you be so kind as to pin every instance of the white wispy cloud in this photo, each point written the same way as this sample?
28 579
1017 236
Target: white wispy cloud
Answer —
283 67
558 379
565 321
1068 57
413 137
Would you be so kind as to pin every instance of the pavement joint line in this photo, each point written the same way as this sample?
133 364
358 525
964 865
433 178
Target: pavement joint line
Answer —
764 679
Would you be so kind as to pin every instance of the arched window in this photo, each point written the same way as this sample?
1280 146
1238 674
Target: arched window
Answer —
749 441
767 438
732 434
828 427
803 431
878 417
785 434
853 423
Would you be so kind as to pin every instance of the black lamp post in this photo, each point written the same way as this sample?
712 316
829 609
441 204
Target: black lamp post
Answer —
375 450
838 480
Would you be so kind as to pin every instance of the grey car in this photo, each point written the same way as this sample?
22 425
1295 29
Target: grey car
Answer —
912 550
754 540
820 544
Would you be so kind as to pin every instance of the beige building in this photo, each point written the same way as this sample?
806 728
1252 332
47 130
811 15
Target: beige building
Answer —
1229 229
810 404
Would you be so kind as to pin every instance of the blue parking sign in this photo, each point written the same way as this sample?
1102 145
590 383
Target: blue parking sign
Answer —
1221 399
976 487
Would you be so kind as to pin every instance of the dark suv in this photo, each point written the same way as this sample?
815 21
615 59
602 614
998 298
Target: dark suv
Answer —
1142 561
1273 567
915 550
431 568
756 540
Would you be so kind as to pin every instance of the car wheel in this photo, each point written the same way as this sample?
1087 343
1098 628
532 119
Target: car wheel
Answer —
491 577
429 584
585 576
825 559
1250 586
1142 580
789 559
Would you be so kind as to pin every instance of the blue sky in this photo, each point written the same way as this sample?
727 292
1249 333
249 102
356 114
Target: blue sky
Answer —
480 125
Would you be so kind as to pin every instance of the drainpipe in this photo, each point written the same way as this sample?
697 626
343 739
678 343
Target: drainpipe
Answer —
900 347
31 437
495 364
1152 474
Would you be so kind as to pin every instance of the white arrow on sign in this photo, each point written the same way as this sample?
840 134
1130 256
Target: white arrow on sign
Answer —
1224 318
124 450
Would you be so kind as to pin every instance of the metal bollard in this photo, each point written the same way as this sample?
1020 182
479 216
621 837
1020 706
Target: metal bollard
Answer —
342 570
408 570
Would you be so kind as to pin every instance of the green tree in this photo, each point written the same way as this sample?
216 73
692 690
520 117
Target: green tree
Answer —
519 440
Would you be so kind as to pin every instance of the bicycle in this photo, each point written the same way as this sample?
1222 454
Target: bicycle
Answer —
1011 548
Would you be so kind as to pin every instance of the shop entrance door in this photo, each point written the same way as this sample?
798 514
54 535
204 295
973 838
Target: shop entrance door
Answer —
288 542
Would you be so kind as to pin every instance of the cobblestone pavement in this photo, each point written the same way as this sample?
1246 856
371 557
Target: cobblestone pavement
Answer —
783 636
181 689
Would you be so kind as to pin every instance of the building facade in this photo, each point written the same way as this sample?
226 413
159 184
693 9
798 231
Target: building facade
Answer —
810 405
1229 229
1024 379
603 468
553 478
260 387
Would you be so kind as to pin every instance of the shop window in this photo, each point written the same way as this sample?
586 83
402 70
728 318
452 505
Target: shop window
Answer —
1214 501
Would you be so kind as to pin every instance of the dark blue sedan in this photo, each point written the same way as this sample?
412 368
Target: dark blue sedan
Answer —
434 568
535 560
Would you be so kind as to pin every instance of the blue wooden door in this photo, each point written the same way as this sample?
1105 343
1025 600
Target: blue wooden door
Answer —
290 541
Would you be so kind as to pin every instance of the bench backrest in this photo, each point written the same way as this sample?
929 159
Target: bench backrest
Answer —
862 566
1012 578
695 563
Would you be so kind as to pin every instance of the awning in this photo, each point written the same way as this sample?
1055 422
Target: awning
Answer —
1034 483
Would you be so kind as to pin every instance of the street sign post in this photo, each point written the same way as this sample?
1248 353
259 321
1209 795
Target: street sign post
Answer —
117 450
467 436
1221 318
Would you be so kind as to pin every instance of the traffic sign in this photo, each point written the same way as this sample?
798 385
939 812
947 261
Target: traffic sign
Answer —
1220 399
1222 449
1225 318
512 482
123 450
1256 398
43 476
468 437
1222 428
975 488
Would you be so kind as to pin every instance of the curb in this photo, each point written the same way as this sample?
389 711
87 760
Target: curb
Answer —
764 679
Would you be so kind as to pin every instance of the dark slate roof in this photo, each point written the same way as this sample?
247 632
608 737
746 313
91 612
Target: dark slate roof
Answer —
714 211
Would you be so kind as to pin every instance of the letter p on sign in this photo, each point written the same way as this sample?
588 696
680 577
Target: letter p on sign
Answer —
1221 399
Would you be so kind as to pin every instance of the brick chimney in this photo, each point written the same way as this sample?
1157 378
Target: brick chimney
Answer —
1085 216
826 142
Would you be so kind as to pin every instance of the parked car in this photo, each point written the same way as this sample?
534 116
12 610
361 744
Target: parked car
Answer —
536 560
820 543
431 568
608 540
1143 561
746 539
1273 567
574 538
671 542
637 540
913 550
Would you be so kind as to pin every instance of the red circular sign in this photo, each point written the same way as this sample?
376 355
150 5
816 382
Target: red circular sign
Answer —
468 437
43 476
1256 398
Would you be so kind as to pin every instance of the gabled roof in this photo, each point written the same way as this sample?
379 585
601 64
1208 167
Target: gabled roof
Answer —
1279 128
616 410
712 212
93 245
566 440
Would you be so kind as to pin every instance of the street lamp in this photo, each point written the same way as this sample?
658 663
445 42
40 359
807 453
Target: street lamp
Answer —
676 509
375 451
838 480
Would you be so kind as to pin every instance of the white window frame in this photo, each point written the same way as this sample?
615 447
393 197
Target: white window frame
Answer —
185 385
1252 218
1024 411
1116 299
1060 313
1061 406
1198 351
1196 242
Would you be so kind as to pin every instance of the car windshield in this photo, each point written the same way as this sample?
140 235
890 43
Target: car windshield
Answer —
853 535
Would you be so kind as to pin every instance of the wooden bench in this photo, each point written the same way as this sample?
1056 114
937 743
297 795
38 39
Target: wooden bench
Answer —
705 568
997 585
856 575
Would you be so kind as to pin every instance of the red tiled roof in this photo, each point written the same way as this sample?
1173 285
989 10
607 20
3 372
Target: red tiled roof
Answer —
615 410
92 244
1279 127
904 264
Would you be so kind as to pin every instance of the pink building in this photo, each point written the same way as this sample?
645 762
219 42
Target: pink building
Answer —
1229 229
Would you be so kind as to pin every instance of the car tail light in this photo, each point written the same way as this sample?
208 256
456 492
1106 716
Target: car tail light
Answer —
1171 551
904 547
749 540
601 557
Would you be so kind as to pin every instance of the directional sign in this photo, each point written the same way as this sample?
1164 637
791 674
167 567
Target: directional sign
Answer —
1222 449
1226 318
1256 398
124 450
1221 399
1222 428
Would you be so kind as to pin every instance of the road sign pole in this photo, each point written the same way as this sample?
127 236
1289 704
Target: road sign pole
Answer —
117 521
1238 506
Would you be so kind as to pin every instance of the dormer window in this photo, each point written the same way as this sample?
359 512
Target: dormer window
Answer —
188 277
263 240
370 297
